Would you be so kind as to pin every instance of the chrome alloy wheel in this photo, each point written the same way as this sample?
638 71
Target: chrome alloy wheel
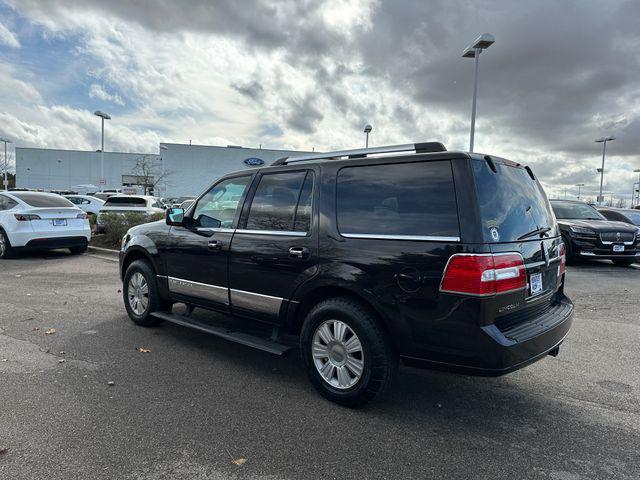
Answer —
138 293
337 354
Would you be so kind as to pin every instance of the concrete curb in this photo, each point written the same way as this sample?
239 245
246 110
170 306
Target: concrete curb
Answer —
103 251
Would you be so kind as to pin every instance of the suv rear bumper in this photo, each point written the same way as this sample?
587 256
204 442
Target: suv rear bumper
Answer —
505 349
56 242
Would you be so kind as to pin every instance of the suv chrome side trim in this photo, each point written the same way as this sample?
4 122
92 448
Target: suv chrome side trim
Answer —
256 302
426 238
200 290
272 232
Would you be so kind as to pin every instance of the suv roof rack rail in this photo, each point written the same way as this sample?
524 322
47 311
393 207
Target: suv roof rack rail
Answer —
424 147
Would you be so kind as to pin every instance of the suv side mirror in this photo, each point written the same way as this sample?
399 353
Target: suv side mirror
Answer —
174 216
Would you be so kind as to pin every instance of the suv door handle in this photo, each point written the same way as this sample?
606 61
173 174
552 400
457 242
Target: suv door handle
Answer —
215 245
298 252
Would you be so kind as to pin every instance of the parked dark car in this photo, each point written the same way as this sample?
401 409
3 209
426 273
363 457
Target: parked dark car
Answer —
442 259
588 234
626 215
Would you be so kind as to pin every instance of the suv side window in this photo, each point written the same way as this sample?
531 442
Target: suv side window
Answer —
401 200
220 203
282 202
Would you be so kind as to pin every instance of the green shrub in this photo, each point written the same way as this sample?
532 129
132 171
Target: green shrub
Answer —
117 224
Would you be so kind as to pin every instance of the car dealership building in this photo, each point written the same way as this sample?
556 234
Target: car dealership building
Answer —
179 169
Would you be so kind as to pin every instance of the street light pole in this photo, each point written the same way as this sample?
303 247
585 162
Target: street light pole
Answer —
474 101
367 131
637 170
604 141
103 116
579 185
6 164
483 42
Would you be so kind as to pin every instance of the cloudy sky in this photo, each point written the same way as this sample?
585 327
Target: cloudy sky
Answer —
300 74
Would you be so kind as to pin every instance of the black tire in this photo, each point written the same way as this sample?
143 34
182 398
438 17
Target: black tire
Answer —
78 250
6 250
572 259
380 358
623 262
155 303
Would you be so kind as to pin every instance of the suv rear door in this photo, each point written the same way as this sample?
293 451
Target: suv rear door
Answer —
275 246
398 224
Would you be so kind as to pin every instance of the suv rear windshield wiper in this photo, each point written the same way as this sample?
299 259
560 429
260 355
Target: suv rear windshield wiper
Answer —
538 231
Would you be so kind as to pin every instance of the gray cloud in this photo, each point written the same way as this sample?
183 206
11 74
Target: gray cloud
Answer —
303 115
559 75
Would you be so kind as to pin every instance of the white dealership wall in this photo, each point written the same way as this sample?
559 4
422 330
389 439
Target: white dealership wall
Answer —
190 168
50 169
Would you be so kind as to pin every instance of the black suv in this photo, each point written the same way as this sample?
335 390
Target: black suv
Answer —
441 259
588 234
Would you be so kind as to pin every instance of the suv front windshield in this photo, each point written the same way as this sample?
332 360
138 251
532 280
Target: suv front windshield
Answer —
512 204
575 211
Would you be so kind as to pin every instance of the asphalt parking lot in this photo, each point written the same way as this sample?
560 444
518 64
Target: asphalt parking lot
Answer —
194 404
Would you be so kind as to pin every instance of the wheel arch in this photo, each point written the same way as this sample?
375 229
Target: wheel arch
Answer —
311 296
133 254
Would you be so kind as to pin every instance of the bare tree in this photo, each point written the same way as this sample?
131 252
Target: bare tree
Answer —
621 203
149 172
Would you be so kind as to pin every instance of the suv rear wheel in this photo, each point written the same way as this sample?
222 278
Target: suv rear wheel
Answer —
78 250
346 353
140 294
6 251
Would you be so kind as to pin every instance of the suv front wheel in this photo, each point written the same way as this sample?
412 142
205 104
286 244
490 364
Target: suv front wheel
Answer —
140 294
347 355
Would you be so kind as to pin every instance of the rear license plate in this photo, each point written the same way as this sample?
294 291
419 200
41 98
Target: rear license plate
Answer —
59 222
618 248
535 281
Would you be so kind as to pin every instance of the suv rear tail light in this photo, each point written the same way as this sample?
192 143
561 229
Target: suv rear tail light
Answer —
26 217
484 274
562 253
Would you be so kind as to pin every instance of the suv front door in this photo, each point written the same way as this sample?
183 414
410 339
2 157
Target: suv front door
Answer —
274 249
197 253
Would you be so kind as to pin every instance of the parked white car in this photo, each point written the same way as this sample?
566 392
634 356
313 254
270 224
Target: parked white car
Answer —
41 220
145 204
86 203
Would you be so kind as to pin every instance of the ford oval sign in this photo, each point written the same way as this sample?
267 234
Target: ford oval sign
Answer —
254 162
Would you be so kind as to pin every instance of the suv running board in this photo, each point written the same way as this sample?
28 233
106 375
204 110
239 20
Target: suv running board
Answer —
243 338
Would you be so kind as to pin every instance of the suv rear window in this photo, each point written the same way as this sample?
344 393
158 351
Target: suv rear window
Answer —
512 204
40 200
398 200
125 202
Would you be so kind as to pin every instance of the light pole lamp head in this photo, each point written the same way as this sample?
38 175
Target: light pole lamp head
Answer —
101 114
368 128
579 184
605 139
483 42
5 140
